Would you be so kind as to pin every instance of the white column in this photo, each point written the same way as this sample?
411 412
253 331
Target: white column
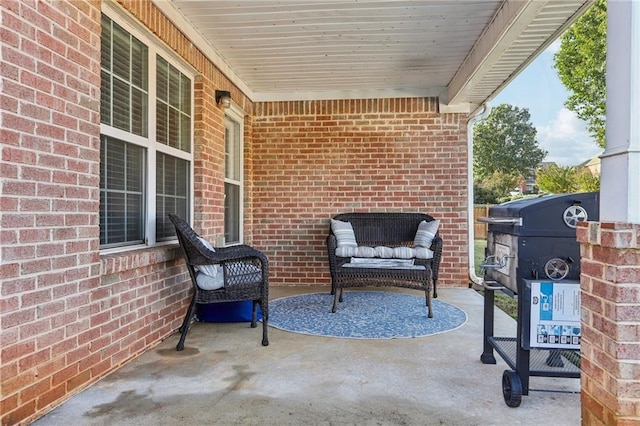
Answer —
620 170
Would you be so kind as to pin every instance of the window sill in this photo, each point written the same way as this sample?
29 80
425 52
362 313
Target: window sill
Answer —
113 263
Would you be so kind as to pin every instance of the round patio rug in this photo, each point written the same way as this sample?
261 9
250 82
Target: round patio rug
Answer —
364 315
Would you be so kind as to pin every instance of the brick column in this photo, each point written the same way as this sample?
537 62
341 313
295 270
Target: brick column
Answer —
610 283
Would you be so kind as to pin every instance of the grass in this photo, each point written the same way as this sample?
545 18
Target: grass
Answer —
503 301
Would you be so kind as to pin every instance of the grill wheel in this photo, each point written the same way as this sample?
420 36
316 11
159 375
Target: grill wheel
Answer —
511 388
556 269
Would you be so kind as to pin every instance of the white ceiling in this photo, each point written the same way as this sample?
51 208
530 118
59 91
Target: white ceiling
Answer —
463 51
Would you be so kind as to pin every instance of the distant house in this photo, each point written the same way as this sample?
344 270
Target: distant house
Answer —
593 164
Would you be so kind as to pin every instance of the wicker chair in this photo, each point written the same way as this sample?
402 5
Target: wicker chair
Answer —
246 276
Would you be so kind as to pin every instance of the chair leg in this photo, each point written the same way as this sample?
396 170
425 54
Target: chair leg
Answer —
185 324
254 314
265 320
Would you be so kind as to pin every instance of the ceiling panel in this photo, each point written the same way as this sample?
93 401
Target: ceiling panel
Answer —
317 49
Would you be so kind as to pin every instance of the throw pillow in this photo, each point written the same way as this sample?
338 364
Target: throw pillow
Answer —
344 233
210 270
426 233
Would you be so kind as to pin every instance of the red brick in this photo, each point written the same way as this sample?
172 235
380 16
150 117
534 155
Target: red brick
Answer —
64 375
48 398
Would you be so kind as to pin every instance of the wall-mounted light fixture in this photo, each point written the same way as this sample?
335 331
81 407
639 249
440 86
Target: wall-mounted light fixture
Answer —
223 98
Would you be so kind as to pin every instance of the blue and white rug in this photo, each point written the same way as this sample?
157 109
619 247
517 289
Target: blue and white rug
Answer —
364 315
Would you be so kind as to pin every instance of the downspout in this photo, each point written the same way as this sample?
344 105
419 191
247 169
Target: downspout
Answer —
480 115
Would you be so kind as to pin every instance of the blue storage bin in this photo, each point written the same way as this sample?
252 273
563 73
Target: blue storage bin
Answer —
227 312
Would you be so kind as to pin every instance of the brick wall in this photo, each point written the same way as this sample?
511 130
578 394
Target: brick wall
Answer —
50 174
315 159
610 282
68 314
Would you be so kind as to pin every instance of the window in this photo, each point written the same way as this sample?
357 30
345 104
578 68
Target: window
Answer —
145 144
233 179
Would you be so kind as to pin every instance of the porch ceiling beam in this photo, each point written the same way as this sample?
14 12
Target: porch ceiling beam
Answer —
508 23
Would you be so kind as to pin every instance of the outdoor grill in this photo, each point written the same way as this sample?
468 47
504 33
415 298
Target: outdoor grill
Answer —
532 252
535 238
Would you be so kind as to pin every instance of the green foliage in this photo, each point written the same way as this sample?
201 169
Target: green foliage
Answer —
492 189
587 181
581 66
556 179
564 180
505 143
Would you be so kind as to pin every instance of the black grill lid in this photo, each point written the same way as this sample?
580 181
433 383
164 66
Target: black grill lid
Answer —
549 215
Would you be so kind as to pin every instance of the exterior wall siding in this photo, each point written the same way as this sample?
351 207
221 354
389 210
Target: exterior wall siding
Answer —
610 283
315 159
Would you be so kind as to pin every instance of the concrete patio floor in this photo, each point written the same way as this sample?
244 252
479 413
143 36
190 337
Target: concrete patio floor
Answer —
225 377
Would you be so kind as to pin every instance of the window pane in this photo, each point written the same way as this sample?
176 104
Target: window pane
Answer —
185 87
232 150
121 109
174 135
139 112
140 66
162 78
174 87
105 43
105 98
173 107
185 133
121 52
172 195
231 213
121 193
162 132
124 87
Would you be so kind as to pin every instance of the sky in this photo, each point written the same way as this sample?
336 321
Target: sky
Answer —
559 131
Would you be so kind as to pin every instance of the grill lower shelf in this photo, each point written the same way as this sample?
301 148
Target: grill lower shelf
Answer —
507 347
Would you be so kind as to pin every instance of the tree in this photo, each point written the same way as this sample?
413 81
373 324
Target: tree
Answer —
557 179
563 180
492 190
505 142
581 66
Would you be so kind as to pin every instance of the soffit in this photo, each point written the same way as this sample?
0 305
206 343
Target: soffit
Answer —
462 51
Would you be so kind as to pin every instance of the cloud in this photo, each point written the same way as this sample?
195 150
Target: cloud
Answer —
566 140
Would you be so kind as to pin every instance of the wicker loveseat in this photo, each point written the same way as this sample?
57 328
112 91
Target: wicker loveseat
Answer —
378 236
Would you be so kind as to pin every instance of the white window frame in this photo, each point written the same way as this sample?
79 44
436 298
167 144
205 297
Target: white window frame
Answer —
155 47
235 114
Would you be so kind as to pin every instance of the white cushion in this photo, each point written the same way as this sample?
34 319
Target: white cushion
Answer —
426 233
344 233
360 251
383 252
423 253
403 253
207 282
210 270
